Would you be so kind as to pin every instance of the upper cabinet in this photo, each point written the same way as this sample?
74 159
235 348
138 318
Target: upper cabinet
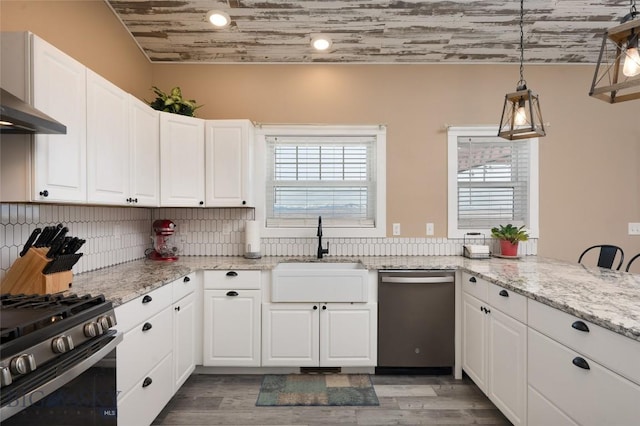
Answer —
181 161
228 163
144 154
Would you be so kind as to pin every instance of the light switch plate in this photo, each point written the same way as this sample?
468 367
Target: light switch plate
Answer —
634 228
430 228
396 229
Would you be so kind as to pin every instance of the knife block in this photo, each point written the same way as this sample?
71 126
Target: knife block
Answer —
25 275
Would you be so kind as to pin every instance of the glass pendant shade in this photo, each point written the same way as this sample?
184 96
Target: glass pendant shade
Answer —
521 116
617 74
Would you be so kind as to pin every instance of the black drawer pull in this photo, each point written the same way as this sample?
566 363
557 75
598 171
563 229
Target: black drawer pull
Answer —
146 299
503 293
581 362
579 325
232 274
147 326
472 279
146 382
232 293
186 279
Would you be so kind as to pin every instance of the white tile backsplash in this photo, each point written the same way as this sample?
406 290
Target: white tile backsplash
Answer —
120 234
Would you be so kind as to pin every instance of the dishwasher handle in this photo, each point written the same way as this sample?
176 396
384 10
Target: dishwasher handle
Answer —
418 280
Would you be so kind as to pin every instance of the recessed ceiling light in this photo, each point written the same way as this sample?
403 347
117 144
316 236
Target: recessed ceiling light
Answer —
321 42
218 18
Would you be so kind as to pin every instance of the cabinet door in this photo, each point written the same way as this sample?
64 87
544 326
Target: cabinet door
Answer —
181 160
290 334
107 142
228 165
508 365
59 161
184 326
474 340
144 155
348 335
232 328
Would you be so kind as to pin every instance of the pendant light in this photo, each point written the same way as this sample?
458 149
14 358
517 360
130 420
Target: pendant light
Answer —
617 75
521 115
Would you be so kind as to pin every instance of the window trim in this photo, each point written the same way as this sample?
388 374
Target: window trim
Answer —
261 134
453 133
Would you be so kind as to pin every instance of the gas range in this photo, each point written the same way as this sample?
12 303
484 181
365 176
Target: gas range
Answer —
47 340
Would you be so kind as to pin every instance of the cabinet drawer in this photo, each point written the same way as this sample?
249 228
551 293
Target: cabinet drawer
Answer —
509 302
232 279
144 403
541 411
134 312
142 348
475 286
594 396
614 351
184 286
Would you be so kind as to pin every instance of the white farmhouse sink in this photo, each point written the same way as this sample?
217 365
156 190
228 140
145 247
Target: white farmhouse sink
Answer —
319 282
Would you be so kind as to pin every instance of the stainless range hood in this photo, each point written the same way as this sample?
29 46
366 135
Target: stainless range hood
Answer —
18 117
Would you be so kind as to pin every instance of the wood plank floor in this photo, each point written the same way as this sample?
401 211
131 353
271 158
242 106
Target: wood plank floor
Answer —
207 399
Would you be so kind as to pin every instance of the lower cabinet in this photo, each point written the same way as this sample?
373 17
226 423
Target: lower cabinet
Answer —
319 334
494 347
157 353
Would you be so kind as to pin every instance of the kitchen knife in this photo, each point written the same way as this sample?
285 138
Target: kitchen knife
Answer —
53 231
69 247
44 236
30 241
65 245
57 242
77 246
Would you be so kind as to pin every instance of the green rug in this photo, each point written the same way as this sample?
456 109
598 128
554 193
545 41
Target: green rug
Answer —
316 389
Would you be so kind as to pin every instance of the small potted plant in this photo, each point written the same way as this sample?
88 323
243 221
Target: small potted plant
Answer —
509 237
173 102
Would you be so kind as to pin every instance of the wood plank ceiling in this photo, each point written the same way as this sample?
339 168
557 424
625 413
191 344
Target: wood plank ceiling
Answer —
371 31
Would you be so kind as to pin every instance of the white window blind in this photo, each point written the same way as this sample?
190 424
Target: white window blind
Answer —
328 176
493 182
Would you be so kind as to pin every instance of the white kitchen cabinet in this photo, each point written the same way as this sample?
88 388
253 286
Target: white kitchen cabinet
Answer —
494 345
144 154
229 145
182 172
108 144
232 318
59 161
185 324
319 334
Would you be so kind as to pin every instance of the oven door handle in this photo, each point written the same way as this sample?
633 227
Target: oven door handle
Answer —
417 280
37 394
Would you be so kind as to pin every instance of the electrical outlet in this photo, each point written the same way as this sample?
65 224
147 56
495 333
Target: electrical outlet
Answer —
430 228
396 229
634 228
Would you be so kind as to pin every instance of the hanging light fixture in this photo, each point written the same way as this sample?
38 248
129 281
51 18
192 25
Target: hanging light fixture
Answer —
521 115
617 75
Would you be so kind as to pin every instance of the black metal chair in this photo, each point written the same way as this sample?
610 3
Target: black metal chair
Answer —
637 256
607 255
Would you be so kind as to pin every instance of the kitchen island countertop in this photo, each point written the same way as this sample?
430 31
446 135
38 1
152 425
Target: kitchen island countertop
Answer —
604 297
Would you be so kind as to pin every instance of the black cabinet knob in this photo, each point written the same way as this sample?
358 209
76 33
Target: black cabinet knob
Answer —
201 203
44 193
135 200
128 200
177 309
580 326
146 299
232 274
244 202
503 293
315 308
147 326
324 308
232 293
186 279
472 279
581 362
146 382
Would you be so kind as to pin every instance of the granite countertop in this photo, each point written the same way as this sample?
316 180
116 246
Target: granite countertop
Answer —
608 298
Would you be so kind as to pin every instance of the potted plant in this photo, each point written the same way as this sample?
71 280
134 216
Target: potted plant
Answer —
173 102
509 237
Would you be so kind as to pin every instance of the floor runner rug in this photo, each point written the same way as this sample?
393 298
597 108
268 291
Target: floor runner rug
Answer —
316 389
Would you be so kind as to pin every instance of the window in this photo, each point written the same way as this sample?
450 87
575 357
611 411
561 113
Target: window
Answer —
333 172
492 181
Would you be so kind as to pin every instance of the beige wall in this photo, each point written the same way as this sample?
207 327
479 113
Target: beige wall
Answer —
88 31
589 162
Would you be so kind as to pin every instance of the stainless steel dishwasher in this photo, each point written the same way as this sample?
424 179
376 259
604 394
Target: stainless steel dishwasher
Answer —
416 320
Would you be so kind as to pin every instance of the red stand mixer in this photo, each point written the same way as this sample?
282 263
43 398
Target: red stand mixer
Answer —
163 245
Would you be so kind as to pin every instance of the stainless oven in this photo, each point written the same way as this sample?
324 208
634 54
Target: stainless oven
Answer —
57 360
